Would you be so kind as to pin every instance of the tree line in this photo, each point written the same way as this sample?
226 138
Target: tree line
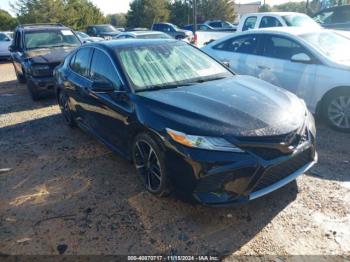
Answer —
78 14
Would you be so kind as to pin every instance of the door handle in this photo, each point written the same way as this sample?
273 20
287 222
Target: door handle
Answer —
264 67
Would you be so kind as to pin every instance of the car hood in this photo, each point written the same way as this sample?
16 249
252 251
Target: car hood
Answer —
44 56
185 32
238 106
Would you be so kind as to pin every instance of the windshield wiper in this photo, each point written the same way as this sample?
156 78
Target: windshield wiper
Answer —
208 79
160 87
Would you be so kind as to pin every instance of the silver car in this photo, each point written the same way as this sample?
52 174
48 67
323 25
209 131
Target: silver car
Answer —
5 42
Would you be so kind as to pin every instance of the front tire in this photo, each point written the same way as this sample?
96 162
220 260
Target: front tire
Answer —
336 110
20 77
34 93
149 162
63 102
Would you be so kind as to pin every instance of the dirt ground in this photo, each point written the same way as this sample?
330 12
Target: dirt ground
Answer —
62 191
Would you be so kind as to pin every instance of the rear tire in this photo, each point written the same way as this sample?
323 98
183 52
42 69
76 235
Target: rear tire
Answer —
33 90
63 102
336 110
20 77
148 158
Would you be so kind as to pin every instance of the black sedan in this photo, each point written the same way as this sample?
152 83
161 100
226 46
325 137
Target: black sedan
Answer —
186 121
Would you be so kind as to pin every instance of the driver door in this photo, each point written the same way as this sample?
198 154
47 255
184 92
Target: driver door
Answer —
275 65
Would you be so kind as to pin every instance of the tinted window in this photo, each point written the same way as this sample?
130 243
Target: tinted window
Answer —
80 63
281 48
341 16
215 24
244 44
102 69
269 21
3 37
249 23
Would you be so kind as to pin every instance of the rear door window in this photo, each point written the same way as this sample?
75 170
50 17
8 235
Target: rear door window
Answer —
269 21
249 23
247 44
81 62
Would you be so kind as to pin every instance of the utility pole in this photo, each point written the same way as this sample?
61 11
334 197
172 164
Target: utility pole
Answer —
194 16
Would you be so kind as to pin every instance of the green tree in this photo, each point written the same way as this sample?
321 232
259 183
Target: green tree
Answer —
181 12
143 13
7 22
265 8
216 9
74 13
118 20
299 7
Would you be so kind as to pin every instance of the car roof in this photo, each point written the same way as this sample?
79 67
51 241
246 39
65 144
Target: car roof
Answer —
142 32
273 13
111 44
39 27
292 30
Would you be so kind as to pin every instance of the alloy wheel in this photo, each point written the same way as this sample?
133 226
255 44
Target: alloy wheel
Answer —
148 165
64 106
339 112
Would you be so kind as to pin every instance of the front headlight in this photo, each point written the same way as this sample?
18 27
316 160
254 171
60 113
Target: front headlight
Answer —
203 142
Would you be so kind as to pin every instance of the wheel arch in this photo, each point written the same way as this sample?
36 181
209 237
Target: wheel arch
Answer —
320 104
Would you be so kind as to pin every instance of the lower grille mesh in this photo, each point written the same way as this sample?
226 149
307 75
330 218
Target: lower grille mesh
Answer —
277 173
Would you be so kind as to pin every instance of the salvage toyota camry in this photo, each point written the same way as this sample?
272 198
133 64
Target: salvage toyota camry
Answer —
186 121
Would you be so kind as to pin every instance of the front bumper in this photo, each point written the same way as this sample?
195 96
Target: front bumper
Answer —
223 178
43 84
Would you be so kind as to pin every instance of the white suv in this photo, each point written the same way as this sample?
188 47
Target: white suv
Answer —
275 19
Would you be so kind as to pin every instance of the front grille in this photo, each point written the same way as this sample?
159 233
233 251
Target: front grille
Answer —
267 153
278 172
270 153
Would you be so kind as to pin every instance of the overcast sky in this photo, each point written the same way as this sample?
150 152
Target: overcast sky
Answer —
122 6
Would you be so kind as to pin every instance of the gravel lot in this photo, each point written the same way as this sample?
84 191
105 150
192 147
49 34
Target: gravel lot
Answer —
62 191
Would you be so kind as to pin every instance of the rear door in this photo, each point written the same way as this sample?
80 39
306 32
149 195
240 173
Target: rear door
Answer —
275 65
78 84
240 52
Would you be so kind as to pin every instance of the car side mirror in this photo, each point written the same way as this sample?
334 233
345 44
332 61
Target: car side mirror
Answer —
301 58
7 39
100 86
12 48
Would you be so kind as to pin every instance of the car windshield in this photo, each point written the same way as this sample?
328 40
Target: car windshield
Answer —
82 35
299 20
168 65
154 36
331 44
106 28
49 39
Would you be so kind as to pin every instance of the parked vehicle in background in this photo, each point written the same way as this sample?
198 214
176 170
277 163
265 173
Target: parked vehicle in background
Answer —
206 34
5 42
85 38
337 17
185 120
275 19
106 31
36 50
143 35
200 27
121 29
314 64
221 25
173 31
